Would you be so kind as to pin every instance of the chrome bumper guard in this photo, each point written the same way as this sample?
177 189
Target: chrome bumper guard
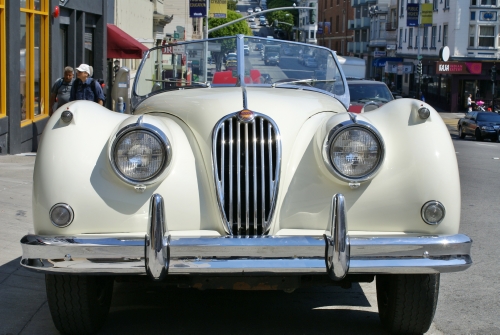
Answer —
159 253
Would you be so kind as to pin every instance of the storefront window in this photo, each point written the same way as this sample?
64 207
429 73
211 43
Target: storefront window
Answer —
23 57
3 92
34 35
38 98
486 36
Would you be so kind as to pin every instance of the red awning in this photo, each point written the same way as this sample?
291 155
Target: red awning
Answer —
122 45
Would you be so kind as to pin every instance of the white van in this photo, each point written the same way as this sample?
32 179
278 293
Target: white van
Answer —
353 67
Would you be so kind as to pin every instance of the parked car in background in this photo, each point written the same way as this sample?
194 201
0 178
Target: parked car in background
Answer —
254 26
246 50
367 95
251 19
250 10
237 180
311 62
481 125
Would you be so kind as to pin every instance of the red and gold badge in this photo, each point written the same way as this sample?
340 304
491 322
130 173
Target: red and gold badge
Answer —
246 115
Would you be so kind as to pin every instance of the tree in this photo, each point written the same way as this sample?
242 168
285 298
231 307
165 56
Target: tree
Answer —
231 4
231 30
282 16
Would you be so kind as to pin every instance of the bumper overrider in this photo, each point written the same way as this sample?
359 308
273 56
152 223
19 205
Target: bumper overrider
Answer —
160 254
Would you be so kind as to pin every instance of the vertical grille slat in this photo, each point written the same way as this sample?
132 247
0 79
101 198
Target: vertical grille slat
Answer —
254 177
222 172
246 158
231 140
247 182
238 174
262 173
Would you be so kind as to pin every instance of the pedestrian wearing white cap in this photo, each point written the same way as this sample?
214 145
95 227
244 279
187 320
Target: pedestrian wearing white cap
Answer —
86 88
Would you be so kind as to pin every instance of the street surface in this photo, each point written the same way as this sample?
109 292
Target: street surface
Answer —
468 301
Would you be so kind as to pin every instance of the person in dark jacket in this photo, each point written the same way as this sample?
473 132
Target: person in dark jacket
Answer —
86 88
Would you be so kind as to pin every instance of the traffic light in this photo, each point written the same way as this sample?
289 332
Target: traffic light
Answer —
493 72
312 13
419 68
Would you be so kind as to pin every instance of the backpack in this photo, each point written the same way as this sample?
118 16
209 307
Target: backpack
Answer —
99 82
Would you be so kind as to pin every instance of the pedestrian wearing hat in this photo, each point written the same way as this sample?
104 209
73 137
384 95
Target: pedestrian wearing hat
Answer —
86 88
60 92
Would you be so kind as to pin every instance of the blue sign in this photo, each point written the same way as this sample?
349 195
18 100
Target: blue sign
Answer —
487 16
197 8
412 14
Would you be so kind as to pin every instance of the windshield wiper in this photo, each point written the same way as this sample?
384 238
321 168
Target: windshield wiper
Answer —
182 81
305 81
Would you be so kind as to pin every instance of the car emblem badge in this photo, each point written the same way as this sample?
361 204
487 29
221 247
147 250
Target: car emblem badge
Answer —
246 115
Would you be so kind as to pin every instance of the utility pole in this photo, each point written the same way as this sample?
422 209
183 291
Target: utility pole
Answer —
419 64
205 36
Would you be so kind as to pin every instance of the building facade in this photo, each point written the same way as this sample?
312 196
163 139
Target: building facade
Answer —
334 16
308 25
38 38
471 31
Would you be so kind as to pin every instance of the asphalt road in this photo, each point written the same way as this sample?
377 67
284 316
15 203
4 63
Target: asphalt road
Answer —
468 301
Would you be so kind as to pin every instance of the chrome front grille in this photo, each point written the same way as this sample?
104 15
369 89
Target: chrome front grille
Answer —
246 158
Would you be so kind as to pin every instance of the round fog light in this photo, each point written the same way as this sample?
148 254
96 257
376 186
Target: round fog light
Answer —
61 215
433 212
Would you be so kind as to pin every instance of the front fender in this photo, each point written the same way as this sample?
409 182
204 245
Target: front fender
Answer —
420 165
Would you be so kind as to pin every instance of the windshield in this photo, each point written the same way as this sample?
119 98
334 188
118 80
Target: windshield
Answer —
220 62
488 117
369 92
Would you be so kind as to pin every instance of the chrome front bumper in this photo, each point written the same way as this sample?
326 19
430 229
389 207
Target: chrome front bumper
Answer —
160 254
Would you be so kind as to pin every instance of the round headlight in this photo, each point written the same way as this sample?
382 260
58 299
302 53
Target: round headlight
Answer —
61 215
356 153
433 212
139 155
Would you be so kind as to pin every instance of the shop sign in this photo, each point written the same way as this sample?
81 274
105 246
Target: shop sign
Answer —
487 16
218 9
391 47
398 68
427 12
377 54
197 8
412 14
458 68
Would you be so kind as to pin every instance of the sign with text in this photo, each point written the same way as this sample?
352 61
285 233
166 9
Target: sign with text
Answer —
487 16
426 15
218 9
412 15
197 8
458 68
377 54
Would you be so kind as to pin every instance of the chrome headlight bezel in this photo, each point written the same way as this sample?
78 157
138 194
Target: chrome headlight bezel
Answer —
152 130
335 132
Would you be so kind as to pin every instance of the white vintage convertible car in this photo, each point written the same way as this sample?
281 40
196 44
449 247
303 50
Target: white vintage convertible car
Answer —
255 177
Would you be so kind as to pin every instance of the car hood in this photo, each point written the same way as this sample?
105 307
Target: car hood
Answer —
201 109
205 106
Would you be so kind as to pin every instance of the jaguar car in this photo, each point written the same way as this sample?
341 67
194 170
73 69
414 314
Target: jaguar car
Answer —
253 178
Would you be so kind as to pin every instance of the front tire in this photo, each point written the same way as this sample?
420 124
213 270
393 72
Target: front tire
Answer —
461 133
79 304
407 303
478 135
